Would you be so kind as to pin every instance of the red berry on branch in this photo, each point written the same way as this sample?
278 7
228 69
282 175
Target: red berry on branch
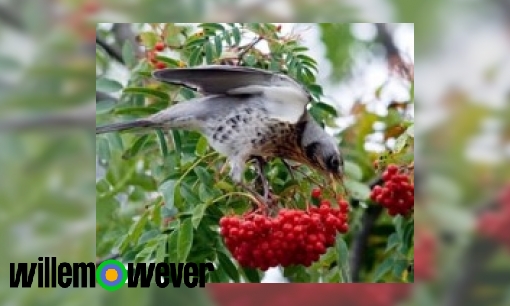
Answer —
160 46
316 193
160 65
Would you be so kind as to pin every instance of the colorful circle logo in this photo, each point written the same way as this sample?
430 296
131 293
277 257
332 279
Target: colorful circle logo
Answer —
111 275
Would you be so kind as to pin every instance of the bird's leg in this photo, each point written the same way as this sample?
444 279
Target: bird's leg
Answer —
236 171
260 175
289 168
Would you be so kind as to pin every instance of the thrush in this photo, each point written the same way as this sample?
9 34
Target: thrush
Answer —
246 113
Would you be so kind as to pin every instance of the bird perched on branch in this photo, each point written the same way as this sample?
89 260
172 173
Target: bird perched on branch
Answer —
246 113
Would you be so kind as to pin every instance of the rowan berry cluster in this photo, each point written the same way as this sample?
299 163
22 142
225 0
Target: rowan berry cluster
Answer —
396 194
292 237
494 224
151 55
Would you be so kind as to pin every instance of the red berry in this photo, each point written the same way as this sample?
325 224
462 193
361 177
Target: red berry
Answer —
160 46
160 65
316 193
278 28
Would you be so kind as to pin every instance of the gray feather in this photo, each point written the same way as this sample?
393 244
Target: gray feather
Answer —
121 126
222 79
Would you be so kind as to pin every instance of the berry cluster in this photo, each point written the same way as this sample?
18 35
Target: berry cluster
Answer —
293 237
151 55
494 224
397 193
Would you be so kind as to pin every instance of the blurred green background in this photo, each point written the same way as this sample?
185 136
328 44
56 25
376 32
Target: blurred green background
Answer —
462 94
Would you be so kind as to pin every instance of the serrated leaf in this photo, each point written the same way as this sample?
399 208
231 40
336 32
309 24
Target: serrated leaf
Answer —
137 228
202 145
393 241
167 189
399 267
173 245
209 55
137 147
144 254
107 85
147 92
195 58
161 249
251 275
357 190
218 44
185 240
198 214
213 26
237 36
224 186
128 54
149 39
401 142
148 235
204 176
343 259
353 170
408 237
326 108
228 266
170 62
189 195
105 106
383 269
136 111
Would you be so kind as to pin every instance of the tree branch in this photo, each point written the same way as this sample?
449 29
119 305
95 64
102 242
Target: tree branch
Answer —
113 52
360 241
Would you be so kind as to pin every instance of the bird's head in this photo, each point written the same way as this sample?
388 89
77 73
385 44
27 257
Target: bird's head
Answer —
324 155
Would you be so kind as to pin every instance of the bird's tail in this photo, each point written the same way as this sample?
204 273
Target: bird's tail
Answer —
121 126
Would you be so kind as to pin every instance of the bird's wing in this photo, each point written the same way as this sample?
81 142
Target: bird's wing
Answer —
222 79
286 98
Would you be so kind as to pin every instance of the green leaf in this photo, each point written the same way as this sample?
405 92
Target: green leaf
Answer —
189 195
144 254
383 269
202 146
149 39
103 149
173 246
185 240
105 107
237 36
408 238
251 275
209 55
393 241
198 214
195 58
128 54
250 60
148 235
343 259
326 108
136 111
147 92
228 266
167 189
170 62
401 142
161 249
107 85
218 43
205 177
224 186
357 190
399 267
162 143
137 228
353 170
212 26
137 147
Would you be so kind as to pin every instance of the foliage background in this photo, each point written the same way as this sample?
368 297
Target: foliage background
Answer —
172 189
46 177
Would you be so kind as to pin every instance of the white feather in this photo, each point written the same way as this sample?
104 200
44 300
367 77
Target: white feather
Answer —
285 103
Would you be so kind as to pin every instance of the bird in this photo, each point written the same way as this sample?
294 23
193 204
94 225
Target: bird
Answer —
245 113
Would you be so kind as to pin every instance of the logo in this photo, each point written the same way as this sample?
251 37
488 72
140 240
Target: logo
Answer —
111 275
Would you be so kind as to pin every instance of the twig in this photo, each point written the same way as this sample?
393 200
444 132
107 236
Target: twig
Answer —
247 49
102 96
360 241
113 52
111 256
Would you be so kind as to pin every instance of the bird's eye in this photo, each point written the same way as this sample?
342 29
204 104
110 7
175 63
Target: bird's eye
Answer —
333 163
